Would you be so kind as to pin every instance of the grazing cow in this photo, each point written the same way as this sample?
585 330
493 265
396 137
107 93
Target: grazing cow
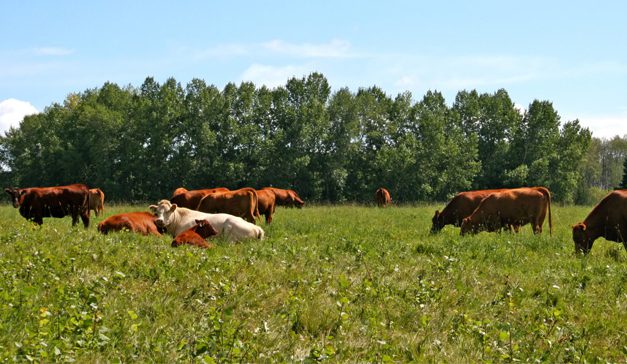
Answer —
191 199
266 204
242 203
179 190
138 222
287 198
460 206
608 219
176 219
515 207
196 235
382 197
35 203
96 201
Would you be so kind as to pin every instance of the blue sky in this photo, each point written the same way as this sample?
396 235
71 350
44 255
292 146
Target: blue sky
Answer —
572 53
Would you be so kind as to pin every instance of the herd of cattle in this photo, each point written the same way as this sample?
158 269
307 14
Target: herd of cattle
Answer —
193 216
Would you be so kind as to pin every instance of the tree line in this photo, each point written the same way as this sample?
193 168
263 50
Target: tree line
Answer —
140 143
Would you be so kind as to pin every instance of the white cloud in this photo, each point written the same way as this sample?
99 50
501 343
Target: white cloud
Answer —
604 126
12 112
272 76
336 48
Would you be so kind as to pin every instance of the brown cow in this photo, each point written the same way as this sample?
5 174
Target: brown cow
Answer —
608 219
460 206
35 203
266 204
242 203
138 222
179 190
191 199
515 207
382 197
196 235
287 198
96 201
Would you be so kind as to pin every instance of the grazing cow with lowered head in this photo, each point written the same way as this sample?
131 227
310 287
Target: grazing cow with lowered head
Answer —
196 235
460 206
608 219
191 199
382 197
242 203
515 207
287 198
35 203
96 201
176 219
266 204
138 222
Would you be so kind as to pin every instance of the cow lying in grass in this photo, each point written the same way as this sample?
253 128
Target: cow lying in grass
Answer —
176 219
138 222
196 235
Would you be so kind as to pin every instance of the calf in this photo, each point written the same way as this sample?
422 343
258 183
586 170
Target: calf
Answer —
139 222
196 235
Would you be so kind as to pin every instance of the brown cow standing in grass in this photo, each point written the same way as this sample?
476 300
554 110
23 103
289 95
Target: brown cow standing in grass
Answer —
266 204
382 197
35 203
242 203
608 219
460 206
96 201
138 222
196 235
191 199
515 207
287 198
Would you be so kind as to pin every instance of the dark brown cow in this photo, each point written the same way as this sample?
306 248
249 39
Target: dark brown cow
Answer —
460 206
382 197
35 203
242 203
96 201
138 222
287 198
266 204
196 235
515 207
191 199
608 219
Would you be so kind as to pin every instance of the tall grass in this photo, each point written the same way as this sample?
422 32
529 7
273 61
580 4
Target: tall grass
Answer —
338 283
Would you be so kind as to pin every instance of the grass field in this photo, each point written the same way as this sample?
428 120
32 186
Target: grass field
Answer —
335 283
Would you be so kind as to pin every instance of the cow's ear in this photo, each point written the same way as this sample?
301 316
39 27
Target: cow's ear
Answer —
153 208
173 207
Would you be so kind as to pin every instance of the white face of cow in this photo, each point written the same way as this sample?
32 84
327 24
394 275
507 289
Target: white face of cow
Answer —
164 212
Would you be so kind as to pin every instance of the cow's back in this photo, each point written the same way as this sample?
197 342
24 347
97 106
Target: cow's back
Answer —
191 199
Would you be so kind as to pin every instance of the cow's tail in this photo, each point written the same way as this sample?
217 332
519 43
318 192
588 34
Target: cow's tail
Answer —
256 198
547 194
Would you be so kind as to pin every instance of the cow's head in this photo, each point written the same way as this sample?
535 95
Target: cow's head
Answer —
436 222
16 194
164 213
469 227
582 240
295 200
204 229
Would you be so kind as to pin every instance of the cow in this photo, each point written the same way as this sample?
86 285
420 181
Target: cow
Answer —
460 206
608 219
191 199
35 203
266 204
138 222
287 198
96 201
176 219
179 190
242 203
515 207
382 197
196 235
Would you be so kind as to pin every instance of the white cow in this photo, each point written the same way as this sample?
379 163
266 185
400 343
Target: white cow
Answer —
178 219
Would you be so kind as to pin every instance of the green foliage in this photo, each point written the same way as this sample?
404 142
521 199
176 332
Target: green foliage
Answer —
334 283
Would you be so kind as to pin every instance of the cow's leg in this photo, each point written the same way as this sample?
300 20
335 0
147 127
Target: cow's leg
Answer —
268 217
85 219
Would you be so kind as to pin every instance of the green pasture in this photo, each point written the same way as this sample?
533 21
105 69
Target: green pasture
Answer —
329 283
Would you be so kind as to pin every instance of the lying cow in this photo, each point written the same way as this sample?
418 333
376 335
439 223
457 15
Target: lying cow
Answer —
96 201
266 204
288 198
176 219
515 207
138 222
196 235
382 197
608 219
242 203
35 203
191 199
460 206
